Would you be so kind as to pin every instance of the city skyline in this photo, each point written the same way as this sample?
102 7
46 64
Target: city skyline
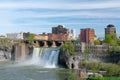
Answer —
40 16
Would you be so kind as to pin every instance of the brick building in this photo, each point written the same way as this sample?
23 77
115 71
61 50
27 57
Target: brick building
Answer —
110 29
59 33
59 29
25 35
43 36
87 35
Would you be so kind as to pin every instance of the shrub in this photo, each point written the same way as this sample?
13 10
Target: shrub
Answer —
31 39
84 62
95 77
69 46
112 69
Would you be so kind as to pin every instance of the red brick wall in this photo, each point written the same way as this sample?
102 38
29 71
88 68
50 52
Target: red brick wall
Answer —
87 35
63 37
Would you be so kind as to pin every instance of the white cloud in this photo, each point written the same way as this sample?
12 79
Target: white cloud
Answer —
59 5
11 12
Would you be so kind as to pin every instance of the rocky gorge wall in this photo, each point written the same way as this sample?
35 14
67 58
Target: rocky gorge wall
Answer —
72 62
63 58
5 53
105 58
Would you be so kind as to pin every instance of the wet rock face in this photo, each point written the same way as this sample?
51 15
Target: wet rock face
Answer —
13 53
4 55
63 58
66 60
19 52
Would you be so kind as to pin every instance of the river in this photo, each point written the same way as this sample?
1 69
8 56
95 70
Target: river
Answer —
11 71
43 65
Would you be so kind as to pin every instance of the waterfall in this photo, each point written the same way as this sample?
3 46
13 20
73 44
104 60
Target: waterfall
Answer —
45 57
35 57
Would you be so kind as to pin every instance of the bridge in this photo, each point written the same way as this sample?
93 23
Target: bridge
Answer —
47 43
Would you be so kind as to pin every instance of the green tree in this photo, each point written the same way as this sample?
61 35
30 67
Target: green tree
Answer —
111 39
118 42
31 39
70 47
96 42
108 39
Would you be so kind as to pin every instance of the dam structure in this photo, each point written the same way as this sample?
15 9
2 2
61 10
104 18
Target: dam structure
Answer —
42 53
46 43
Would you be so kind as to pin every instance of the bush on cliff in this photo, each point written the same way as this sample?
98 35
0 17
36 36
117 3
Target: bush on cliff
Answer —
94 66
111 69
84 62
31 39
69 46
5 43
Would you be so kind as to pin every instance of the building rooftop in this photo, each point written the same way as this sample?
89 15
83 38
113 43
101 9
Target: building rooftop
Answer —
110 25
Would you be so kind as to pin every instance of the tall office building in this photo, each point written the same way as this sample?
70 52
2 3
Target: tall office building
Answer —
87 35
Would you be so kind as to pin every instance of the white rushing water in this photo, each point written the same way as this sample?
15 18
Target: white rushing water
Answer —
45 57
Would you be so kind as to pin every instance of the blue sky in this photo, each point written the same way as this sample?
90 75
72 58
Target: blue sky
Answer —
39 16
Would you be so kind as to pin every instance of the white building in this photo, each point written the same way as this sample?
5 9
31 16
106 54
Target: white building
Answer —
72 34
15 36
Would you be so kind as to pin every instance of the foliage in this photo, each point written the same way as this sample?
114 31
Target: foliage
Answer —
88 51
118 42
114 50
95 77
5 43
69 46
108 38
93 66
31 39
111 39
111 69
99 65
96 42
84 62
72 76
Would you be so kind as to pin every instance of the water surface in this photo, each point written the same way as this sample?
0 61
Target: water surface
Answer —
10 71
